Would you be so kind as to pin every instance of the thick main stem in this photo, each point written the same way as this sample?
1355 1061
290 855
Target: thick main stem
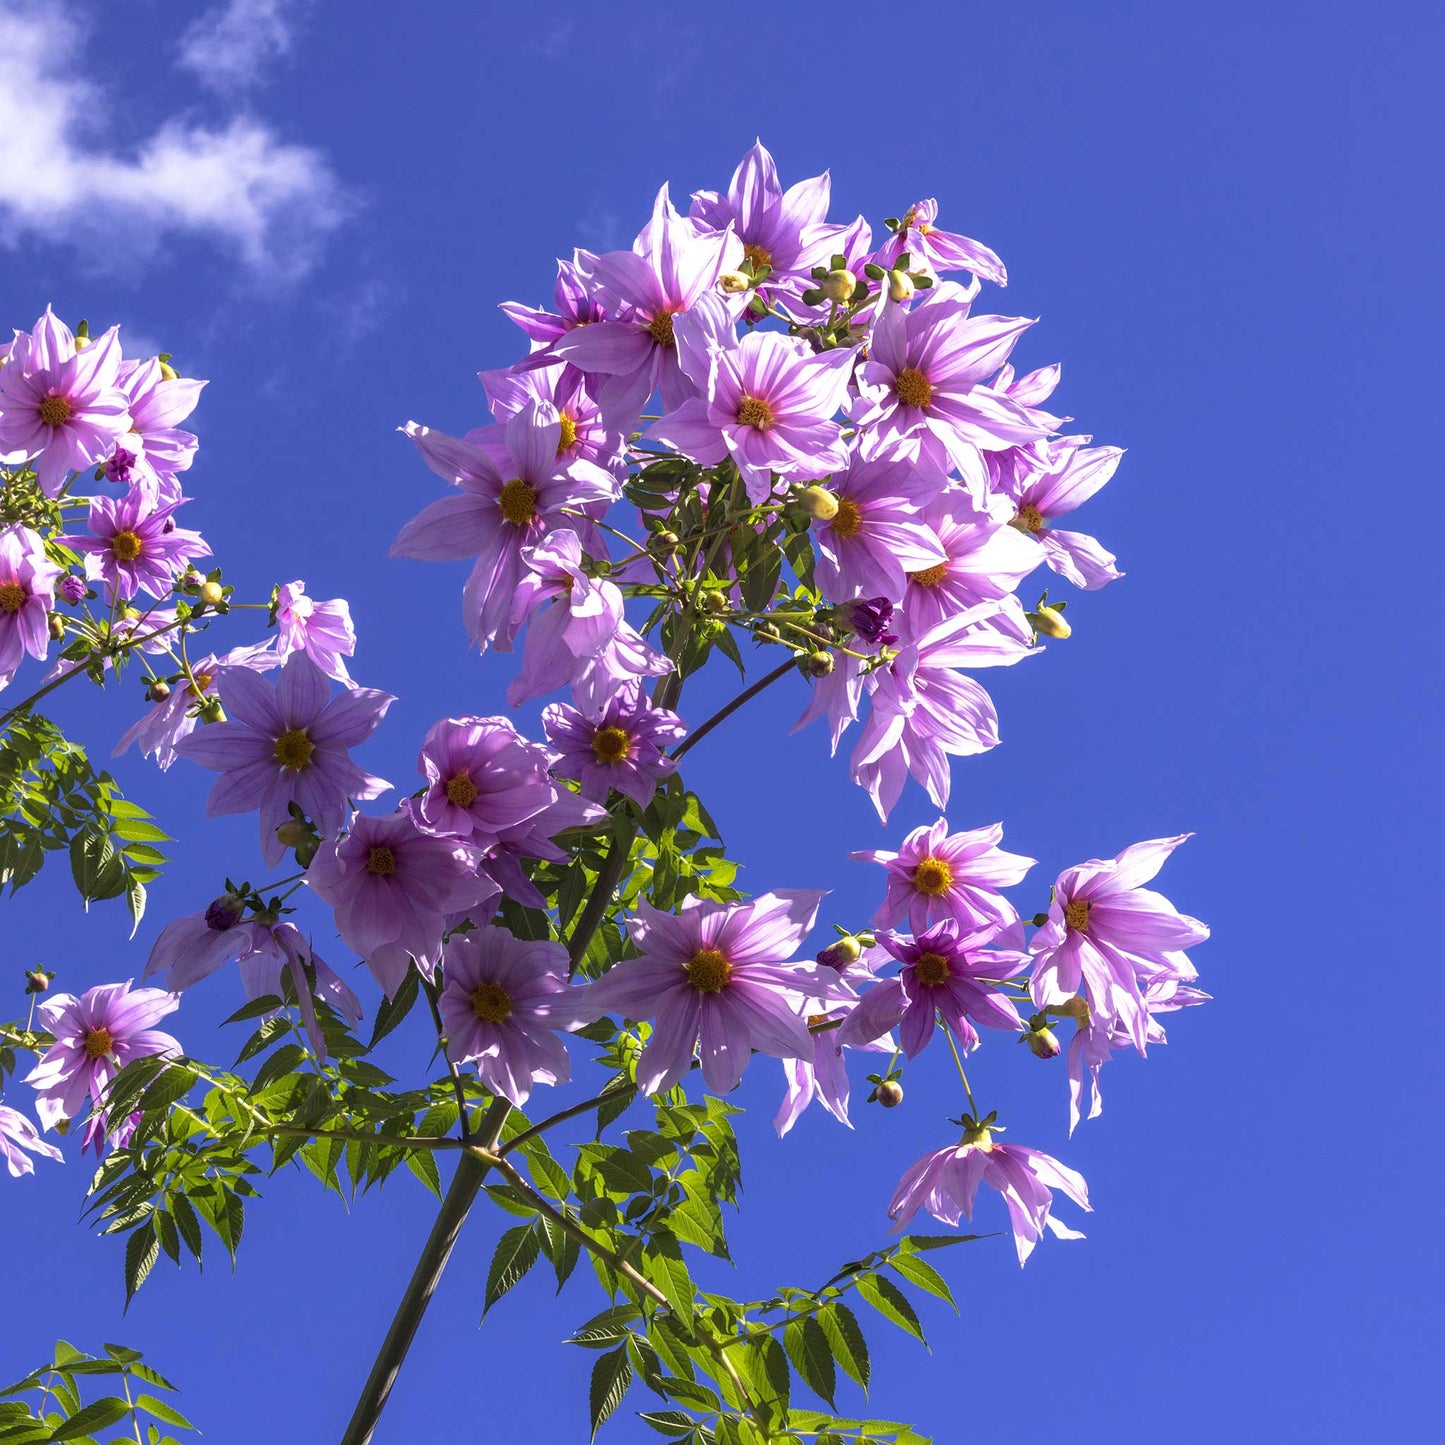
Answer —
423 1283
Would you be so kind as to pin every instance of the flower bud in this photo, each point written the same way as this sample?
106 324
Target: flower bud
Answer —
167 370
211 593
37 980
766 632
1049 622
841 952
900 285
889 1093
664 544
715 602
818 664
158 692
839 285
225 912
71 588
733 282
1042 1042
293 833
819 503
56 625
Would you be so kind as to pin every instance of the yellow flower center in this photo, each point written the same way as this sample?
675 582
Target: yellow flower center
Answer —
848 519
12 597
1076 914
568 439
293 749
126 546
380 861
933 876
708 970
99 1042
203 681
758 255
611 745
461 790
661 328
55 411
1029 519
491 1003
930 576
753 411
931 969
913 388
518 501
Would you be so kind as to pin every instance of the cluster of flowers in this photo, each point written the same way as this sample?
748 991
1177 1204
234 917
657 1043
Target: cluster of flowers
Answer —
884 412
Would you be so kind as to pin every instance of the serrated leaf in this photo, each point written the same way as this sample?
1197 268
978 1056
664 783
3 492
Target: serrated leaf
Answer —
607 1328
891 1303
919 1272
611 1376
812 1356
141 1253
516 1253
162 1411
845 1338
667 1422
96 1416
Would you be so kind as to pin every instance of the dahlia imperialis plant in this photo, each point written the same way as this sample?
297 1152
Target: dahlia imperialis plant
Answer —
844 479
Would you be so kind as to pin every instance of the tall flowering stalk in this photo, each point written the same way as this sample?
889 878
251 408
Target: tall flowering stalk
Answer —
844 475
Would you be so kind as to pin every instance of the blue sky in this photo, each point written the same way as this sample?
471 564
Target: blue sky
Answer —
1228 223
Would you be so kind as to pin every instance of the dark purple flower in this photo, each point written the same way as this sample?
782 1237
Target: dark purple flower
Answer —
870 619
502 1002
622 746
285 744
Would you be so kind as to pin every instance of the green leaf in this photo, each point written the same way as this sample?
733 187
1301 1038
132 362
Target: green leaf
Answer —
141 1253
96 1416
891 1303
97 867
607 1328
812 1356
611 1376
664 1266
422 1163
845 1339
516 1253
920 1243
667 1422
162 1411
919 1272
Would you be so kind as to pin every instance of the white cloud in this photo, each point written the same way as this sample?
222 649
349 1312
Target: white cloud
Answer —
271 202
232 47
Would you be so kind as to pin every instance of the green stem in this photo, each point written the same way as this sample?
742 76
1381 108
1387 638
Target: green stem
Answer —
460 1195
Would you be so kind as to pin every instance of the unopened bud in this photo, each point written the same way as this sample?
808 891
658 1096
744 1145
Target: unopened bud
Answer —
818 664
37 980
55 623
1042 1042
734 281
1049 622
714 602
158 692
225 912
293 833
839 285
841 953
767 633
900 285
191 582
71 588
167 370
819 503
211 593
889 1094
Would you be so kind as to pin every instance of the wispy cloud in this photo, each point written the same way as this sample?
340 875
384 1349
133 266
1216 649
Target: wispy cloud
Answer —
233 46
270 202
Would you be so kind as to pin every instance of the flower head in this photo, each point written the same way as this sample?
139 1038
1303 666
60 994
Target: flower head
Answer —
718 974
1073 475
59 405
134 544
287 743
621 746
482 779
938 251
945 1182
96 1036
502 1002
322 630
392 889
27 593
157 403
